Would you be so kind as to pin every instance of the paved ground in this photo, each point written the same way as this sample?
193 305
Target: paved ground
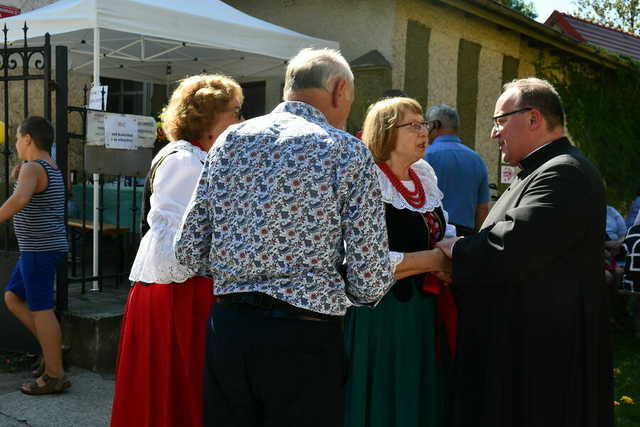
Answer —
86 404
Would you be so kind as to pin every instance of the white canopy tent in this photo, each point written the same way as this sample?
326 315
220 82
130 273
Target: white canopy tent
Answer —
160 41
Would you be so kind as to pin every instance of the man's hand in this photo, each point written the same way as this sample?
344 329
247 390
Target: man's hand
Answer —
446 245
443 276
418 262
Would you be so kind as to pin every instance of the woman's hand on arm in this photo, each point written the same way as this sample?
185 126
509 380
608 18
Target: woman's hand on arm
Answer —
419 262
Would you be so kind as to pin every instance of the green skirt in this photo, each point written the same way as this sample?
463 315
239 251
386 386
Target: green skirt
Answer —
394 378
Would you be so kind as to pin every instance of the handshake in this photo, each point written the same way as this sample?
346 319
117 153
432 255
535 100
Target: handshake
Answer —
436 261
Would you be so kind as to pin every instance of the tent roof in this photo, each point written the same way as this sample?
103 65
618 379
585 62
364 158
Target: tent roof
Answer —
160 40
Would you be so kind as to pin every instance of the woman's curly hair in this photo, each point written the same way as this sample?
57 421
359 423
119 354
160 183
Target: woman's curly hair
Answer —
194 104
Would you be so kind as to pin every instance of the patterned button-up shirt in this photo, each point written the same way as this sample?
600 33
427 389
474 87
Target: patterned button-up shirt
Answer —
289 206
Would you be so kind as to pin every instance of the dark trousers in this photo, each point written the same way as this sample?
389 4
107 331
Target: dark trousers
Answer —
272 372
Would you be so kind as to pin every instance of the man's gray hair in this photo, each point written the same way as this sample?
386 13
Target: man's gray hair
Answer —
447 116
315 69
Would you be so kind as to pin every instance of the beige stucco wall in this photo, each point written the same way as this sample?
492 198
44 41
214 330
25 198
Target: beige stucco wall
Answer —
448 26
358 25
443 68
489 88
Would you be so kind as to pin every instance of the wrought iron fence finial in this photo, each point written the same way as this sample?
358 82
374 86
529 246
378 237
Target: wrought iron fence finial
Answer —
25 29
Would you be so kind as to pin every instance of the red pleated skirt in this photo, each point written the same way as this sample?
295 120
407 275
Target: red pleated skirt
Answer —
161 356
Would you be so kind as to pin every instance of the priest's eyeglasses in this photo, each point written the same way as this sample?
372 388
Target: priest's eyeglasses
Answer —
498 124
416 126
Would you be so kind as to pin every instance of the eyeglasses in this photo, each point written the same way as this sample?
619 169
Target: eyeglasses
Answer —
498 125
416 126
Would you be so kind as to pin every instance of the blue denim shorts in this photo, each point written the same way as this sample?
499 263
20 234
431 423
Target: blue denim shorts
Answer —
32 279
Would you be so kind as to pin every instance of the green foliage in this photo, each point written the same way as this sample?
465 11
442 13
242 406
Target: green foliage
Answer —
603 114
627 379
523 6
621 14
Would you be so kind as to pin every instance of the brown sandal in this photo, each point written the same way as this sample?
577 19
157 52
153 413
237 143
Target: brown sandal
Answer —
51 386
36 373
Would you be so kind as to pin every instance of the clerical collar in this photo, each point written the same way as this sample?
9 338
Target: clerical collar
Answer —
543 153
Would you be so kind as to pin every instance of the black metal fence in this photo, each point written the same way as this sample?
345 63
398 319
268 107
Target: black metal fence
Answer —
118 237
122 229
20 66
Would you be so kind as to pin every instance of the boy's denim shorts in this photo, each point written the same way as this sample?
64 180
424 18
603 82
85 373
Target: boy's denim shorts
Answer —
32 279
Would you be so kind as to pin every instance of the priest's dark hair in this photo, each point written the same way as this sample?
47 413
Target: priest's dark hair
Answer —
541 95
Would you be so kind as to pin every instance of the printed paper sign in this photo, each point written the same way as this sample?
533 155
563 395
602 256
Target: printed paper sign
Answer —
507 174
114 130
120 132
95 97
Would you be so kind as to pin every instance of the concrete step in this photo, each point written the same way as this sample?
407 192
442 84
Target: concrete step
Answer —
91 328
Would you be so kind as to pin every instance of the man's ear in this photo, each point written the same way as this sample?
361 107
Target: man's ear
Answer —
338 92
535 119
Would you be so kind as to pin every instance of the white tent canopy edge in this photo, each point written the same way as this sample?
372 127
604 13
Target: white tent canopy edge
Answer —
161 40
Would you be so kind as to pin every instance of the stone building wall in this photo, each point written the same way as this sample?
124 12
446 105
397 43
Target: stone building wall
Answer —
358 25
450 71
460 62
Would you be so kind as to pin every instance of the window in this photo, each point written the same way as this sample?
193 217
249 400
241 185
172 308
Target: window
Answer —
254 99
128 96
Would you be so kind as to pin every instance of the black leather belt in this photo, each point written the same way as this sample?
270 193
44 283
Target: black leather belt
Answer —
273 307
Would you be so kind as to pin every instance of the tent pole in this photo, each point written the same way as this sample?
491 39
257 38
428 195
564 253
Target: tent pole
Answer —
96 177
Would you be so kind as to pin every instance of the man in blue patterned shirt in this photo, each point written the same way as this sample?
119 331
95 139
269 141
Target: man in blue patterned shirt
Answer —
287 218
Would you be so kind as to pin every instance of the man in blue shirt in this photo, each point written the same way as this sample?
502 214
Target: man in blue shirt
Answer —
462 175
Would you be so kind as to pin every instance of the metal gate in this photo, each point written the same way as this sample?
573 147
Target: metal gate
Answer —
20 67
27 84
122 229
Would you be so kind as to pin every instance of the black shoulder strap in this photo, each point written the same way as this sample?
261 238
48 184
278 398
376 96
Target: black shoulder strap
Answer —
148 189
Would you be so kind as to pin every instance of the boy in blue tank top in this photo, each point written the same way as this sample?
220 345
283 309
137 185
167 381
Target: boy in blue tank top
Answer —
37 207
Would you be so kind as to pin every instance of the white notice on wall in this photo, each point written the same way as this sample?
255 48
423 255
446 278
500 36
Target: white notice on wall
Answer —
120 132
507 174
96 98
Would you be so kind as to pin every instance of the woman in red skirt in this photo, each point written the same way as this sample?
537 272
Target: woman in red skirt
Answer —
161 356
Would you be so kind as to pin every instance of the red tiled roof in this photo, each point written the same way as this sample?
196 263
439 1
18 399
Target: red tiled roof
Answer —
596 34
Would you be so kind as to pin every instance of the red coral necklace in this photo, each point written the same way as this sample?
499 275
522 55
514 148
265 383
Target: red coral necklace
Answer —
416 198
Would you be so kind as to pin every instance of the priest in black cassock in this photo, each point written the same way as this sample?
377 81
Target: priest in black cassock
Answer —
533 340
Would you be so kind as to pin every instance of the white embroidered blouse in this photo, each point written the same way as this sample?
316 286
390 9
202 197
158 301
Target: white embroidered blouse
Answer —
173 185
429 182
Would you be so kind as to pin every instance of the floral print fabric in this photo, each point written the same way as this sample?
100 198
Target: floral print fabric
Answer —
289 206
